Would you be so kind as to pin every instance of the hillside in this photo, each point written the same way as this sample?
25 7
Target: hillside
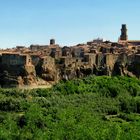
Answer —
92 108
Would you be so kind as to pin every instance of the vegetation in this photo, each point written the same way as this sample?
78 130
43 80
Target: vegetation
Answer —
93 108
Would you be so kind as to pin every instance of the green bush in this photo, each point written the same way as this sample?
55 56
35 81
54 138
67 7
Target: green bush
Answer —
10 104
99 108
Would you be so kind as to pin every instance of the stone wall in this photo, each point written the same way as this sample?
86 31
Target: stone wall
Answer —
100 59
38 47
67 61
110 59
35 59
90 58
15 59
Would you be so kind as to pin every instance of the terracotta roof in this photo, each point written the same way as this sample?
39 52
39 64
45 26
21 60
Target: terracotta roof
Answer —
17 53
131 41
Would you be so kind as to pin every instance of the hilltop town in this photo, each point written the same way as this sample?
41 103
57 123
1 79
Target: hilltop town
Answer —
48 64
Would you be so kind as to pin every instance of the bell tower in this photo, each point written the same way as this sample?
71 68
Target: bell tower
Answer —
52 41
124 36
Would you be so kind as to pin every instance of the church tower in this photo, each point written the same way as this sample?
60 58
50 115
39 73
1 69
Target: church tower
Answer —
124 36
52 41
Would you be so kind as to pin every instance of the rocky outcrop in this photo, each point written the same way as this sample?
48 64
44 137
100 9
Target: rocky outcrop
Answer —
8 81
13 77
46 69
29 75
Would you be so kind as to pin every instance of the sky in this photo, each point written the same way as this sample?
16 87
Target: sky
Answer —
69 22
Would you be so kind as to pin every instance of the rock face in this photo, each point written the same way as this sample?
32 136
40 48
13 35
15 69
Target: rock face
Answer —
122 64
17 76
48 69
29 75
6 80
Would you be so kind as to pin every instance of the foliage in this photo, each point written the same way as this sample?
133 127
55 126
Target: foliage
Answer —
93 108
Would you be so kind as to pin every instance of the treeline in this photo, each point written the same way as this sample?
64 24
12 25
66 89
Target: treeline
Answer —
102 108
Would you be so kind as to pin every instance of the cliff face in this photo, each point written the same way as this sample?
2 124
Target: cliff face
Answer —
14 76
47 70
122 64
28 75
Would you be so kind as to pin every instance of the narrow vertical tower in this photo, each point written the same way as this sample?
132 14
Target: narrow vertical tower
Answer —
124 36
52 41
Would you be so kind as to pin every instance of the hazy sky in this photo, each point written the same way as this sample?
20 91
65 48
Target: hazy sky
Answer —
25 22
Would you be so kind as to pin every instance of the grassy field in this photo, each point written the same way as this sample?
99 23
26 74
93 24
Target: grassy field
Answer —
92 108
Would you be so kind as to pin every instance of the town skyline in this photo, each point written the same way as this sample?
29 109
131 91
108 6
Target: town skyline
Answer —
69 22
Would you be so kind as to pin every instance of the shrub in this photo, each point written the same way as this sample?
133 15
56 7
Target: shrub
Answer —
10 104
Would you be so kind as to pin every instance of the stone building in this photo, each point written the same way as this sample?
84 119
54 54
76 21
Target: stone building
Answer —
16 59
110 59
90 58
38 47
47 69
35 59
67 61
100 59
134 42
55 51
80 50
66 51
20 47
48 61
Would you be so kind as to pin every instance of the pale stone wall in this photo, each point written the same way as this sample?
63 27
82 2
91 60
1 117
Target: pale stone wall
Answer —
48 62
67 61
111 59
90 58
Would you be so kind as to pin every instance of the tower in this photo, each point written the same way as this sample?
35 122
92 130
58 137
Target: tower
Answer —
124 36
52 41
